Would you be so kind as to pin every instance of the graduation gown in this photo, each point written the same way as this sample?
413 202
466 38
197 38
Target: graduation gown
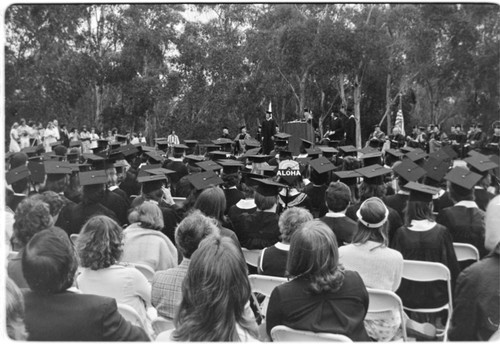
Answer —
343 227
260 230
316 194
233 195
397 202
84 211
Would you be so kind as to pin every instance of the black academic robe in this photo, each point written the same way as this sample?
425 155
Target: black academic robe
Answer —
180 169
260 230
316 194
232 197
482 197
237 220
268 131
117 204
272 261
82 212
337 127
350 131
343 227
397 202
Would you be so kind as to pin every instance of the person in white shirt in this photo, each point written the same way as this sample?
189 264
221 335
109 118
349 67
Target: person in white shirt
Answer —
172 140
93 138
50 135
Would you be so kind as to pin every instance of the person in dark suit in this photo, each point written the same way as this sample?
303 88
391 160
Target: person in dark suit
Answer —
54 313
336 128
268 132
177 164
350 131
338 198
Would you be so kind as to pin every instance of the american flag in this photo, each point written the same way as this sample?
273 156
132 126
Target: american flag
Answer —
400 121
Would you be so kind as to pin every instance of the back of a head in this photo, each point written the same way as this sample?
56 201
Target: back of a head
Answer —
372 222
212 202
265 202
148 214
18 159
32 216
338 196
459 193
214 293
99 244
56 182
314 255
49 262
192 230
53 200
291 220
492 225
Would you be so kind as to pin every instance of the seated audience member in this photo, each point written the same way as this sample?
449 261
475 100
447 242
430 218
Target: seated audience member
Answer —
321 297
215 296
421 238
166 293
99 247
144 243
476 313
53 200
31 217
464 220
244 206
272 261
260 229
212 203
379 266
14 311
338 197
49 265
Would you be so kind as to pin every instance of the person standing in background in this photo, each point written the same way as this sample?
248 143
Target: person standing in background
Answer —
14 138
50 135
85 138
24 134
93 138
350 131
172 140
268 132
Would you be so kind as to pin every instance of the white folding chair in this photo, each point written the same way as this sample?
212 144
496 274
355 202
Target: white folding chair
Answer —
131 315
386 300
74 238
146 270
465 251
251 256
421 271
12 254
264 285
179 201
283 333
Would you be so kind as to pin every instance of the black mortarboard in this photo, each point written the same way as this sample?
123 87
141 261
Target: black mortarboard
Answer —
463 177
373 174
17 174
114 145
258 158
191 143
416 155
282 136
160 171
322 165
269 171
204 180
222 141
406 149
193 159
129 150
371 158
211 147
217 155
57 167
250 178
328 151
348 177
285 154
160 139
54 144
268 187
155 156
449 151
367 150
306 143
32 151
409 171
75 143
162 145
143 171
395 153
480 163
440 155
313 153
436 169
180 148
152 182
37 171
230 166
102 143
349 150
146 148
209 165
252 151
121 138
92 177
251 143
421 192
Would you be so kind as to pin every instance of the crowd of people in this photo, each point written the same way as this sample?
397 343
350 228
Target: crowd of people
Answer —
98 228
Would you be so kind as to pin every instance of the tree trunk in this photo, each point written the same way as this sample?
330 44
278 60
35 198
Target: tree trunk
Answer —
342 90
388 103
357 110
98 103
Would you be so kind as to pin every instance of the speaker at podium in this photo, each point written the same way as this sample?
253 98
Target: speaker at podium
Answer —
298 130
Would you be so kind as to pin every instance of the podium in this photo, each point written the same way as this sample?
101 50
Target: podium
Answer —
298 130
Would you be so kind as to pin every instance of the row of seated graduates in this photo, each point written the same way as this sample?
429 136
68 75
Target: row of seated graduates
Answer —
186 175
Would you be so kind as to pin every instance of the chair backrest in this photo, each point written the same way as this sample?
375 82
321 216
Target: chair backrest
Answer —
283 333
74 237
131 315
385 300
465 251
265 284
179 201
12 254
146 270
251 256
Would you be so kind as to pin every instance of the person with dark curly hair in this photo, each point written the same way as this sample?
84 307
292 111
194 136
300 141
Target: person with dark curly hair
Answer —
54 201
322 296
31 217
49 262
100 247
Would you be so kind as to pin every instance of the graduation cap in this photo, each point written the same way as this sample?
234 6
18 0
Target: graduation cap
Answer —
75 143
304 160
159 171
449 151
251 143
92 177
373 174
406 149
348 177
162 145
269 171
37 171
129 150
409 171
160 139
349 150
306 144
268 187
285 154
416 155
368 149
17 174
463 177
204 180
102 143
155 156
211 147
209 165
143 171
249 178
421 192
191 143
480 163
258 158
146 148
54 144
114 145
180 148
371 158
313 153
221 141
395 153
76 167
192 159
322 165
230 166
281 139
151 182
440 155
217 155
252 151
32 151
328 152
496 159
121 138
57 167
436 169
